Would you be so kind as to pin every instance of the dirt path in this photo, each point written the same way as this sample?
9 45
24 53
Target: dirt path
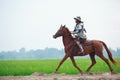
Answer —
41 76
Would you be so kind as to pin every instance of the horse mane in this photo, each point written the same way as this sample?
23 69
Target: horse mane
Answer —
68 32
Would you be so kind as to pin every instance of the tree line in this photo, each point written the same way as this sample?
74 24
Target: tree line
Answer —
47 53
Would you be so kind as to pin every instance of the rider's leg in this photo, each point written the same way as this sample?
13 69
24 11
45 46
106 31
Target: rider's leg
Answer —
80 46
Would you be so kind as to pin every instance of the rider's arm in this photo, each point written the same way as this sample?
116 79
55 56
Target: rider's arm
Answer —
85 30
73 32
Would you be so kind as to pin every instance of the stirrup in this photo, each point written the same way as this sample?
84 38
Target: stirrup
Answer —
81 53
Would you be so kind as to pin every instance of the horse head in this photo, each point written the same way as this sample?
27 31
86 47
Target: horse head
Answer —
60 32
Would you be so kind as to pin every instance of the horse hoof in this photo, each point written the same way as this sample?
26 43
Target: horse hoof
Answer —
87 72
112 73
54 72
81 74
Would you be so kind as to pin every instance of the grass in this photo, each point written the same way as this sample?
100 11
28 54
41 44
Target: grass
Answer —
27 67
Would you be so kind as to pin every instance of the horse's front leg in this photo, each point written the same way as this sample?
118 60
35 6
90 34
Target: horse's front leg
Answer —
61 62
74 63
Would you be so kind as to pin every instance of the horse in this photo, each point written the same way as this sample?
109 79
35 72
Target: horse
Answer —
95 47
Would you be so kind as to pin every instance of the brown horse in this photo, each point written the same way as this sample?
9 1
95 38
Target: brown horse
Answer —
72 49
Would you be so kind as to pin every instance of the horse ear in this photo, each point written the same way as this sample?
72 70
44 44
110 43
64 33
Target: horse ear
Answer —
60 25
64 25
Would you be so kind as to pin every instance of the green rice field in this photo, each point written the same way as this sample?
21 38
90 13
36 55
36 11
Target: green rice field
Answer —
27 67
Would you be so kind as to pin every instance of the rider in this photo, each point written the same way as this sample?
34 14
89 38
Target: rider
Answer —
79 31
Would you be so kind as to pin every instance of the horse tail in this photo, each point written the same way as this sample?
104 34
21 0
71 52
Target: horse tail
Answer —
109 54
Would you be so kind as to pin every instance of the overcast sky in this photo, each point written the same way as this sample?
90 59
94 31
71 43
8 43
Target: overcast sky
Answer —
31 23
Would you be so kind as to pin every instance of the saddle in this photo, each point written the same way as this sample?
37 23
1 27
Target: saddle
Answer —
87 42
84 42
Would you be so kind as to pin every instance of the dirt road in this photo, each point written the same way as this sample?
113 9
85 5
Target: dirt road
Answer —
42 76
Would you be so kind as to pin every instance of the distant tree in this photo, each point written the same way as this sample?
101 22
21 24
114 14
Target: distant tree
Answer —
22 50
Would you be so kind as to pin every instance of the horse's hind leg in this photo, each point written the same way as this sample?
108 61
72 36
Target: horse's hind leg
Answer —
92 57
106 61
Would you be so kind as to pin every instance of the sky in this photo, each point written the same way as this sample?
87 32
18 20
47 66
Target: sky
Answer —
32 23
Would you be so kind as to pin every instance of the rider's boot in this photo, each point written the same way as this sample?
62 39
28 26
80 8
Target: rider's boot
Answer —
80 46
